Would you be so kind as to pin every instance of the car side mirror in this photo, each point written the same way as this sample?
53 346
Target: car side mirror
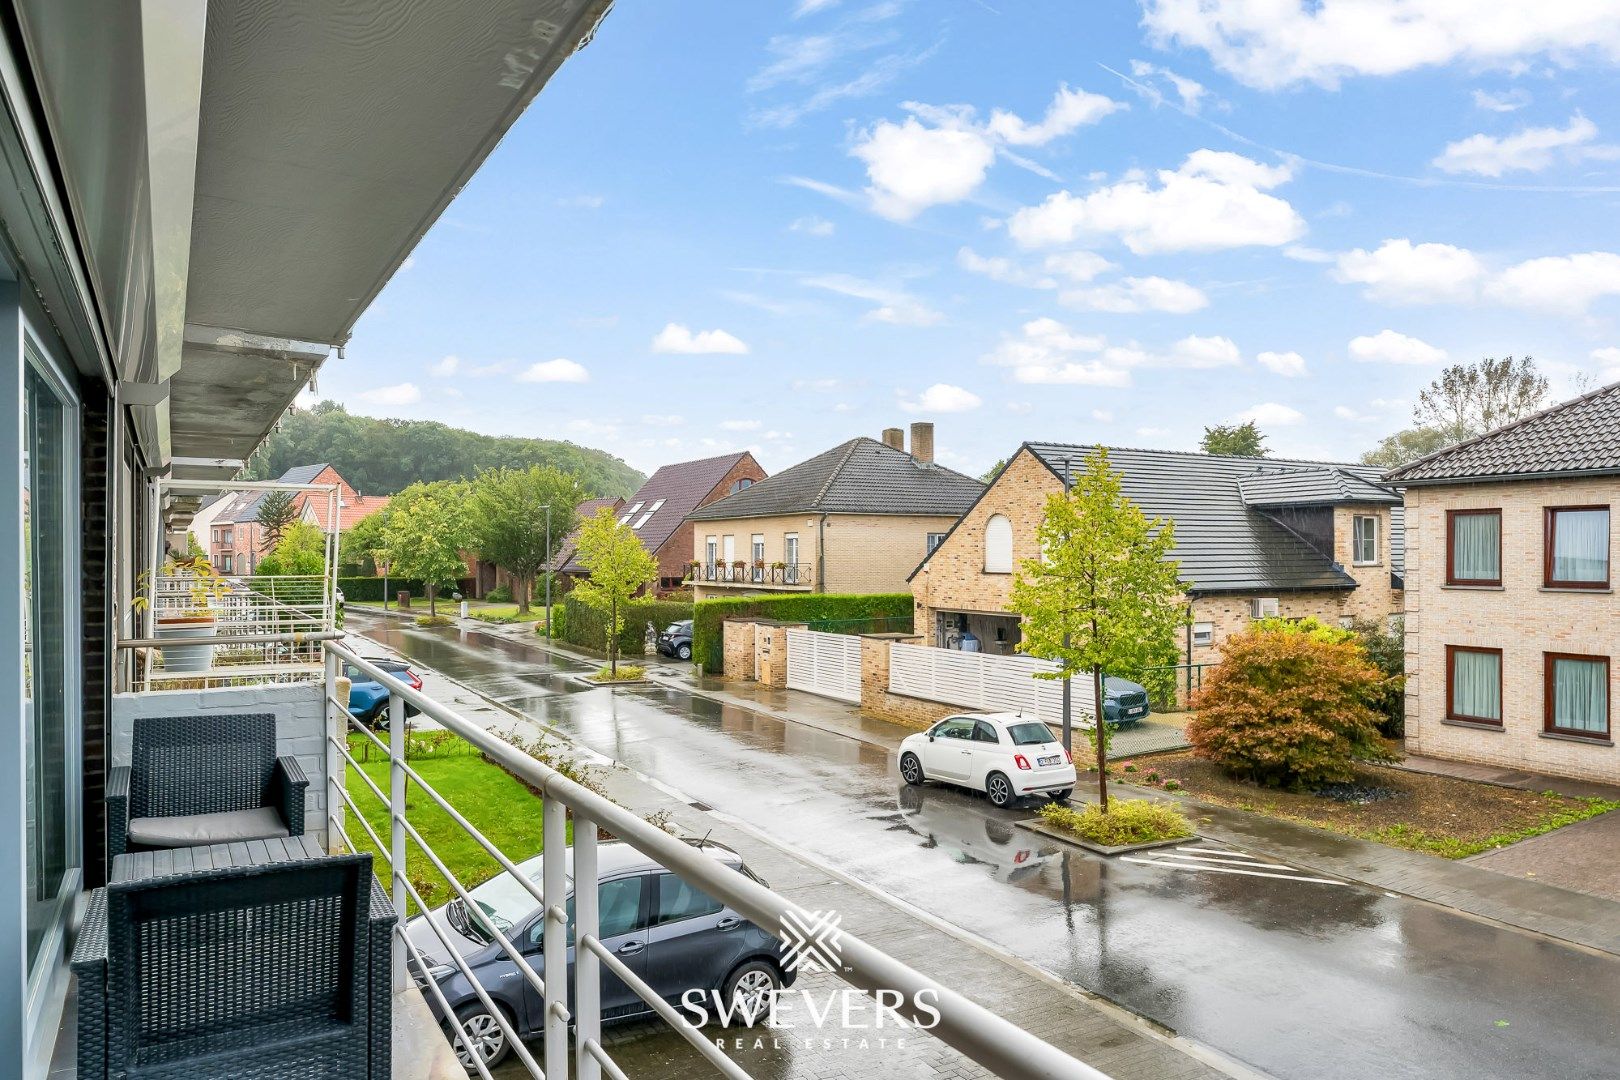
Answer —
930 736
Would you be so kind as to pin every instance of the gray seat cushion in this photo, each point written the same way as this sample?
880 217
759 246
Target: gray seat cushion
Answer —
193 830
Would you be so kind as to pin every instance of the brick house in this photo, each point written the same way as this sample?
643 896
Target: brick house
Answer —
854 519
1254 537
1512 624
236 539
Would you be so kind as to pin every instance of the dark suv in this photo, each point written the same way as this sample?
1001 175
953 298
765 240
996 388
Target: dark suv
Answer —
670 934
676 640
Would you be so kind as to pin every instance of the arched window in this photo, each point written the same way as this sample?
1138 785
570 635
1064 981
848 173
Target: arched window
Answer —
998 545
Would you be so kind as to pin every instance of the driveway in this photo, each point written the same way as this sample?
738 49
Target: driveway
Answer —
1296 975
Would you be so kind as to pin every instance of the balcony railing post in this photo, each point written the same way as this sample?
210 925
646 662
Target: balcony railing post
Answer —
396 815
337 728
587 968
554 939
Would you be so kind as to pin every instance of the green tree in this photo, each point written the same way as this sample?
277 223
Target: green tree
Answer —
1104 595
276 512
1234 440
994 471
618 567
507 520
194 550
301 552
1410 444
365 542
1471 399
427 530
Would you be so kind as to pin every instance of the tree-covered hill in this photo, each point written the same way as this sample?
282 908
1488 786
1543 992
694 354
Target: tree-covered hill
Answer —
381 457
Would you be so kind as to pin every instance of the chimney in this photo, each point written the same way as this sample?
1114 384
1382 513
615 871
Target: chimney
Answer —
922 441
893 436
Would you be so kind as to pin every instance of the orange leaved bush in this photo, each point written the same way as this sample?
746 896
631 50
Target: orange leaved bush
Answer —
1288 708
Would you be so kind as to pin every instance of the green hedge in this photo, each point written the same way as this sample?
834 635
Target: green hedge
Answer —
790 607
370 589
587 627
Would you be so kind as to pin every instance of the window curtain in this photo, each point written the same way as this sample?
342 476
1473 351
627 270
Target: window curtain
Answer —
1581 695
1476 685
1581 545
1476 547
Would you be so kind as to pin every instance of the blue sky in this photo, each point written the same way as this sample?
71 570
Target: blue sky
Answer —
780 223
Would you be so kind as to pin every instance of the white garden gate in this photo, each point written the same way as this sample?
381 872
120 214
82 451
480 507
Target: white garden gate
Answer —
984 682
825 664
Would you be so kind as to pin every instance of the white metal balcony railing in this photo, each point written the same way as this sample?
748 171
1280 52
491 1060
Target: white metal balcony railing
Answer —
257 630
984 1037
737 573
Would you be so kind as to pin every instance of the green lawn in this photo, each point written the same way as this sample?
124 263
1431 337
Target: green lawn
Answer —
478 609
486 795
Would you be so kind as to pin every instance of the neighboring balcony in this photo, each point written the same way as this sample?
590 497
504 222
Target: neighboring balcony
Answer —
772 575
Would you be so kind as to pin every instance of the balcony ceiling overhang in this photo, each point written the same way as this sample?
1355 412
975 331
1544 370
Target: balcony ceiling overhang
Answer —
246 175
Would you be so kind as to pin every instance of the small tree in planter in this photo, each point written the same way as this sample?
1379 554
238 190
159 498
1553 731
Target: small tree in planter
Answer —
194 617
1289 706
1104 595
618 567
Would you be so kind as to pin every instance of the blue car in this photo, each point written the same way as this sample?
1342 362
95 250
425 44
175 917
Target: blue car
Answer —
1124 702
368 698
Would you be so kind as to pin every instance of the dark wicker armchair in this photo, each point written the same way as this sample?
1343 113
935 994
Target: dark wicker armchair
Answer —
206 779
245 972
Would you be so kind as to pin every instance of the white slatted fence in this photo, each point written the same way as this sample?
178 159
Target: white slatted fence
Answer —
982 681
825 664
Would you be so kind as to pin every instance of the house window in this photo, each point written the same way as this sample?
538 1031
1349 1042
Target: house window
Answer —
790 555
1265 607
630 513
1578 695
651 510
1577 547
998 545
1473 547
1474 685
745 482
1203 634
1364 550
756 551
711 551
934 540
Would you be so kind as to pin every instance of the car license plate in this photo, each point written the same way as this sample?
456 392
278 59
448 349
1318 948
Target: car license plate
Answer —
1053 760
1139 710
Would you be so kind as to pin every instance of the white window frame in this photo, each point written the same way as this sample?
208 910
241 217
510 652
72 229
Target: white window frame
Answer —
1265 607
932 541
1203 634
998 545
1356 558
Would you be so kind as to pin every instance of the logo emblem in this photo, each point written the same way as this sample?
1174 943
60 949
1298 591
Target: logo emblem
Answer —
811 941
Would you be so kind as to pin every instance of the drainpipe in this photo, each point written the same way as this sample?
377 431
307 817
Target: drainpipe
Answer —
1189 650
821 555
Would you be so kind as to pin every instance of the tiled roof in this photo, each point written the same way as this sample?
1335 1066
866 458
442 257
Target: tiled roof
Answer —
1321 486
563 558
350 509
303 474
681 489
1223 543
861 476
1575 437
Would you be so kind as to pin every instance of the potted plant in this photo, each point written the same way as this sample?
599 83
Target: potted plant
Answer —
188 614
779 570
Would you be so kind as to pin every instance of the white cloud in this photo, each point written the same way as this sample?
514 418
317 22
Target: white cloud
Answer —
558 370
940 154
1608 364
943 398
1049 352
1276 43
1287 364
1564 284
894 306
1020 408
1103 416
1344 412
1215 200
1069 110
1153 432
445 367
810 7
740 425
1401 272
676 338
1138 294
1190 93
1270 414
1505 102
1077 266
1528 150
999 268
399 394
1389 347
813 226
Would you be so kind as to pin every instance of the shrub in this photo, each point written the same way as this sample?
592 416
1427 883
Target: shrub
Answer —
627 673
369 590
586 626
434 620
541 750
1385 645
500 594
1128 821
1172 785
1289 706
558 621
708 615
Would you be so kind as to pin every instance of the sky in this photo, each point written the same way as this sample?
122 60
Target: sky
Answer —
777 224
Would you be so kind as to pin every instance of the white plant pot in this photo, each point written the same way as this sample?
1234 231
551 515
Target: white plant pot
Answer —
187 657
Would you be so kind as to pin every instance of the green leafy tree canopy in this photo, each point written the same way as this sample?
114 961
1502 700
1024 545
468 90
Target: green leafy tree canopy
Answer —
427 530
618 567
276 511
301 551
507 520
1104 595
1234 440
365 541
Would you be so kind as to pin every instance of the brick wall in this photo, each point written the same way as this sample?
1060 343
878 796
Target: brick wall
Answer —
865 553
737 645
1521 618
300 714
877 701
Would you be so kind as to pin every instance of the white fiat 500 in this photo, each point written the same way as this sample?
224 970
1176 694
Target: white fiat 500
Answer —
1005 755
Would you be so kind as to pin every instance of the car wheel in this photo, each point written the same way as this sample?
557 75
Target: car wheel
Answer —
378 716
750 988
485 1034
1062 796
1000 790
911 769
683 652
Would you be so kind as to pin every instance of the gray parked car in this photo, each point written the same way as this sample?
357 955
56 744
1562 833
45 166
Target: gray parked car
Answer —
670 934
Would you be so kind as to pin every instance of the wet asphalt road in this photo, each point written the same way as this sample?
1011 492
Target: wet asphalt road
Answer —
1299 978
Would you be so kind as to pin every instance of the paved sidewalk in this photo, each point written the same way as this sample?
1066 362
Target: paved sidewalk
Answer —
1099 1033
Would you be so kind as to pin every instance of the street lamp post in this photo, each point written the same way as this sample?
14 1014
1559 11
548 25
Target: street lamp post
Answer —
547 509
1068 722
